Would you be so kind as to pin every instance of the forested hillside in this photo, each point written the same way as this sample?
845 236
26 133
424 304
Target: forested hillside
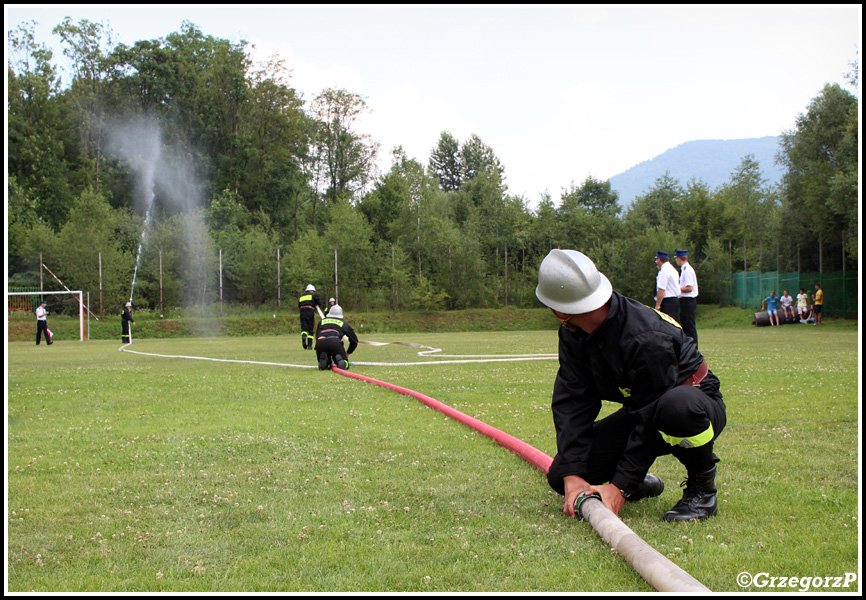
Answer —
207 175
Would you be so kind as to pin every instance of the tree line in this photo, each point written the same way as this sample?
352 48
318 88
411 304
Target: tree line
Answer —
242 168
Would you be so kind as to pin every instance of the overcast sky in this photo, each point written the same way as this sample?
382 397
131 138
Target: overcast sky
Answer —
559 92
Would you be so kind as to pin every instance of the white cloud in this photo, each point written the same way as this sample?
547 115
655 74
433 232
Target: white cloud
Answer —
403 117
307 76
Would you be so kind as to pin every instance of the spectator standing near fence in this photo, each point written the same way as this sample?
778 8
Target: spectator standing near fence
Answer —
818 303
688 294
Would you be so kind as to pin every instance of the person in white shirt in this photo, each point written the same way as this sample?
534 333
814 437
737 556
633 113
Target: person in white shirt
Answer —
42 323
688 294
667 286
787 305
802 304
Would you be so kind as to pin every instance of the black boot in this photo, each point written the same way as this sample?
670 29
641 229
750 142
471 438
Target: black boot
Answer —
324 362
699 498
650 487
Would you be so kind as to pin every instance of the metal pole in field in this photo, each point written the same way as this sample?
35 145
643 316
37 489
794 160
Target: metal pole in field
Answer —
221 282
100 284
81 314
279 300
336 285
160 285
844 295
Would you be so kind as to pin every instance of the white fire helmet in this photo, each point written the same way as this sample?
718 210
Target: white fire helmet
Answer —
569 282
129 305
336 311
310 288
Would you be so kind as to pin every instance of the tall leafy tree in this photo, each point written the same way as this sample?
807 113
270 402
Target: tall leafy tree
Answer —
477 158
274 140
751 212
658 206
545 229
820 188
42 148
346 158
88 46
589 213
446 162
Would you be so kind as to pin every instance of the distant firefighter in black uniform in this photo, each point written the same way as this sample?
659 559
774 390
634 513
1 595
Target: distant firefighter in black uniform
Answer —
329 340
307 304
125 320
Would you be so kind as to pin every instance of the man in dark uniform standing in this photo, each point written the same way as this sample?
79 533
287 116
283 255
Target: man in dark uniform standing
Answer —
307 304
688 294
614 348
329 340
125 321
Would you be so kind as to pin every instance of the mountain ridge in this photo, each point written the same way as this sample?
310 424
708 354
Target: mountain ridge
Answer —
712 161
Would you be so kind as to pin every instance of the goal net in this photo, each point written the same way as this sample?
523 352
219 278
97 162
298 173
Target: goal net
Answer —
28 301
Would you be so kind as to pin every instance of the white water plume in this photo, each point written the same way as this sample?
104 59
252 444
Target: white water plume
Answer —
161 174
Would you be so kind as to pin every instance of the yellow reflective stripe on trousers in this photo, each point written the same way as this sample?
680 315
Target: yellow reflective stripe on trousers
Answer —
693 441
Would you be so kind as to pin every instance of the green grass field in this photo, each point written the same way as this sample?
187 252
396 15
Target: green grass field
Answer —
131 473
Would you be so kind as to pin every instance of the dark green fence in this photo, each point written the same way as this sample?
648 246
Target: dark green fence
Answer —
841 290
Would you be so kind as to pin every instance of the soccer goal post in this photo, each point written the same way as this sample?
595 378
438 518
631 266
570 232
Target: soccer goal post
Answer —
29 301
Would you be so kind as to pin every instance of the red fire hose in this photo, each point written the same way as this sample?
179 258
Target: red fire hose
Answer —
656 569
533 456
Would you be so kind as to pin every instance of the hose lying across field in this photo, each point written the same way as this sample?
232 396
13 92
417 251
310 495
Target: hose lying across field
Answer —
656 569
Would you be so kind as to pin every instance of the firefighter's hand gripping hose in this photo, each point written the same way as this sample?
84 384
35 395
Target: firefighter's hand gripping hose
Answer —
656 569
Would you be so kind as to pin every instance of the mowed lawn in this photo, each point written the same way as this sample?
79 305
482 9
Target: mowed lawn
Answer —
134 473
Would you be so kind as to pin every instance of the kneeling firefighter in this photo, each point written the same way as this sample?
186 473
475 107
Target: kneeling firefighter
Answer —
329 340
614 348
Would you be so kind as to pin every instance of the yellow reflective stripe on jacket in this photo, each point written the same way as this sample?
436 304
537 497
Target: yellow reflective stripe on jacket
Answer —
332 321
306 298
694 441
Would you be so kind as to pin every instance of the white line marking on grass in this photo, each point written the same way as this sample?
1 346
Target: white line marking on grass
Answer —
465 358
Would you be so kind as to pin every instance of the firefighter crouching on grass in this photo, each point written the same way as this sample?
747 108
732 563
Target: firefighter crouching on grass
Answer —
329 340
307 304
615 348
